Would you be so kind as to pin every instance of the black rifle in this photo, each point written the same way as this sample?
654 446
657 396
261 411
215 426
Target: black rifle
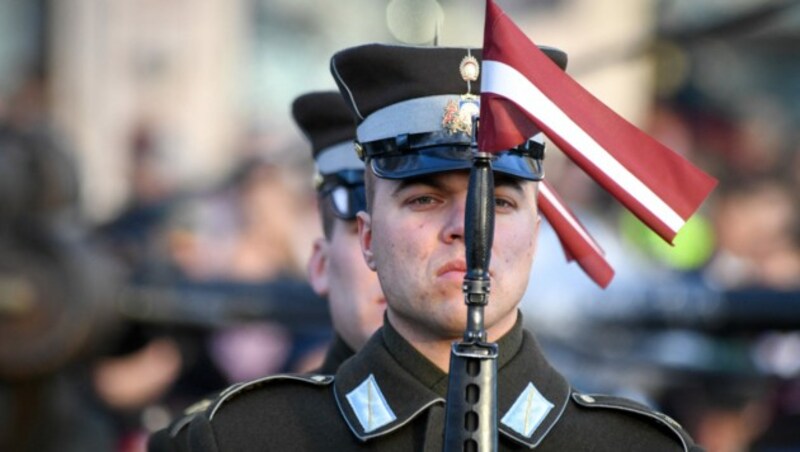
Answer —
471 410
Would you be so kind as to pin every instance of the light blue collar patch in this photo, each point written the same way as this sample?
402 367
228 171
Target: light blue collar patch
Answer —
527 412
370 406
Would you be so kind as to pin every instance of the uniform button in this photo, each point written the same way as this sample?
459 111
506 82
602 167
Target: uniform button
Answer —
587 398
197 407
672 421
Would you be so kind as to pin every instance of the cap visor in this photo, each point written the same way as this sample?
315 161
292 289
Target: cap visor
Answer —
450 158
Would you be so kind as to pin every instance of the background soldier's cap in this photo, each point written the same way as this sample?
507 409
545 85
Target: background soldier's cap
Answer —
413 107
327 122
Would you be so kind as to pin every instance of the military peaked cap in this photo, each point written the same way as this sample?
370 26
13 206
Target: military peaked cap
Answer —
414 107
329 125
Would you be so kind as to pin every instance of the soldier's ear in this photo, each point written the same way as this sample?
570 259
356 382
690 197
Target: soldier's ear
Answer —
364 222
317 268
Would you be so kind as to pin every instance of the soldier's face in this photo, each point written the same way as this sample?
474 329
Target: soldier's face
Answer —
414 239
337 270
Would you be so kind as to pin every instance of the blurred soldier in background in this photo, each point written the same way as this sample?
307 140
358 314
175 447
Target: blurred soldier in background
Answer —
215 295
337 269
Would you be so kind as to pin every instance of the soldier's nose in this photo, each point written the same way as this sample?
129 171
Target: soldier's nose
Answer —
454 227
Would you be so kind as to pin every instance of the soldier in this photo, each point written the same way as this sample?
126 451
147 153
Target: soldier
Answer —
413 109
336 269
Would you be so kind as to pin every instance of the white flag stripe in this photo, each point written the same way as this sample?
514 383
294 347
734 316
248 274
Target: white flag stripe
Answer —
504 80
545 191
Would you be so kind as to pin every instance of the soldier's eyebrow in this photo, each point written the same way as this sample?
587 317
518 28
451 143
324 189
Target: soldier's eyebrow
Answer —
426 180
430 180
515 183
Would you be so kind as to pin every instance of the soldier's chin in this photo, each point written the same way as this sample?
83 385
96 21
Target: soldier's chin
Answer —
455 325
455 306
451 294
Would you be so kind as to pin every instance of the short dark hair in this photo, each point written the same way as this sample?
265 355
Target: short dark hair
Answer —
369 187
326 215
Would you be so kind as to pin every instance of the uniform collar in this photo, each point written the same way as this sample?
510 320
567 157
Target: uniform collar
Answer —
531 395
337 353
388 383
378 391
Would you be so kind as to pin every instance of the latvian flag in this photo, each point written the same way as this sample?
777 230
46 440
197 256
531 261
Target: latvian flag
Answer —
524 92
578 244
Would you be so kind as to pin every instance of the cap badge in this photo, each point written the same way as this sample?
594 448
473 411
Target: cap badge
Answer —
458 114
469 68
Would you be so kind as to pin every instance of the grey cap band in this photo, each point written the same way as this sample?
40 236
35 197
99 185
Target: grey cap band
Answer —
412 116
339 157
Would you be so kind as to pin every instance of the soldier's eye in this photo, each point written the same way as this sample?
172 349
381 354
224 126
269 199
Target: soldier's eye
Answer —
422 200
503 203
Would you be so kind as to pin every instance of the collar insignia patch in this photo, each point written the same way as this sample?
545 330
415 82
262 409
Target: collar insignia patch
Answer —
369 405
527 412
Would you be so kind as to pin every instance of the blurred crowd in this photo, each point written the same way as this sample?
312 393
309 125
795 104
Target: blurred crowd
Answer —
706 329
108 331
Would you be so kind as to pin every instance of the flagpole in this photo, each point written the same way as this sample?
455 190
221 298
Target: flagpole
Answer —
471 408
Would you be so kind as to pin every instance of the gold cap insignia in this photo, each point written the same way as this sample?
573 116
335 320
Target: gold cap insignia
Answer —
318 180
458 114
359 150
469 68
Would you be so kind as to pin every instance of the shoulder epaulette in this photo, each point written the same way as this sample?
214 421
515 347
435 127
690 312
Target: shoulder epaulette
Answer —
629 406
209 406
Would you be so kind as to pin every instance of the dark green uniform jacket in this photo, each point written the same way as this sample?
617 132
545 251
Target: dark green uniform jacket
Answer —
388 397
337 353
